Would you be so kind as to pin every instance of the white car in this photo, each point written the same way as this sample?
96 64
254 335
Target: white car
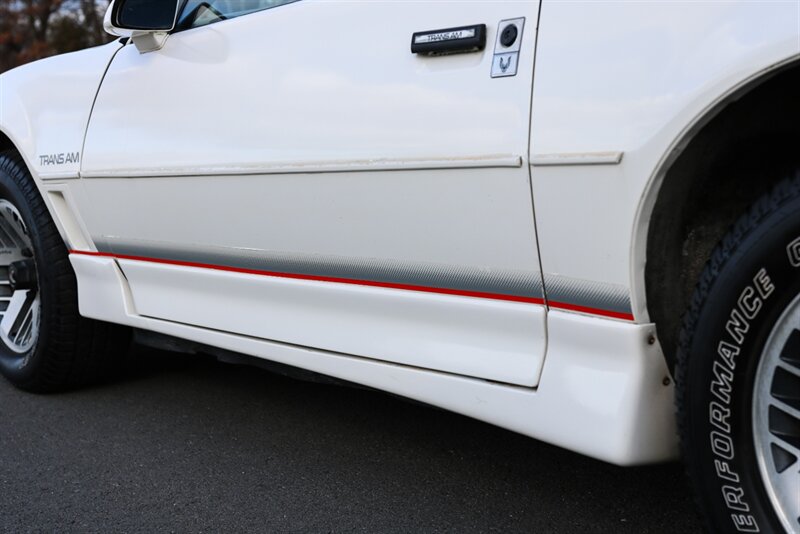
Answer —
565 218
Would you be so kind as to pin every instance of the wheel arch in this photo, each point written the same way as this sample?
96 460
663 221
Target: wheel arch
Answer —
7 144
722 161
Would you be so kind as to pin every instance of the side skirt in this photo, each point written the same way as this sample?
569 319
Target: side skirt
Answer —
602 391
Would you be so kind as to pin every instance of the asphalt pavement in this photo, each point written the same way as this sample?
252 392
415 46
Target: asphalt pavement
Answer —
187 444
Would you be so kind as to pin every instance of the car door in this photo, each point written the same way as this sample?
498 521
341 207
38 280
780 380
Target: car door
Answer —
297 174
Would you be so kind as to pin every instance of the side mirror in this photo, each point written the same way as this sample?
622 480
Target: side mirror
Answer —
146 22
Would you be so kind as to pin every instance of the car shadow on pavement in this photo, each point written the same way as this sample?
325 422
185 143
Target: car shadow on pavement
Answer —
183 442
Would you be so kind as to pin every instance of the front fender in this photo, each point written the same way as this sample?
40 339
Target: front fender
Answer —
45 108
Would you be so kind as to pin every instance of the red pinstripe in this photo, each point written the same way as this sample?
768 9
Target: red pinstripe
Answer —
370 283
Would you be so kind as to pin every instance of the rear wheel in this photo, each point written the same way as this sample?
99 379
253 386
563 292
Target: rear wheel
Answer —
44 343
738 373
776 416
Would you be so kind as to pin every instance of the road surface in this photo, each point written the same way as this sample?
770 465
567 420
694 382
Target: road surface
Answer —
184 443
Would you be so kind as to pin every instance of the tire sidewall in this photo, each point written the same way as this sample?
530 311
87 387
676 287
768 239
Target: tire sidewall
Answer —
748 296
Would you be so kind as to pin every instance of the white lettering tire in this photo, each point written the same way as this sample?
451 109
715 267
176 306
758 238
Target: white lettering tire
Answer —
738 373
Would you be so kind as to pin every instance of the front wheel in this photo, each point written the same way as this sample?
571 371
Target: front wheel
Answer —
738 373
45 345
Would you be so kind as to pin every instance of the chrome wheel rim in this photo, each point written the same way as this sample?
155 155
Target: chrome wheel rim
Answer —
776 417
20 304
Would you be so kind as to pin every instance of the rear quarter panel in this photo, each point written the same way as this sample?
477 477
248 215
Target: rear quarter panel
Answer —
629 80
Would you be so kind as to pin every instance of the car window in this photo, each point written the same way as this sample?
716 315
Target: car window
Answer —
201 12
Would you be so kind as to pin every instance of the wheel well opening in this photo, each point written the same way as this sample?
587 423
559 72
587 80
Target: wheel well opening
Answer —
5 143
750 145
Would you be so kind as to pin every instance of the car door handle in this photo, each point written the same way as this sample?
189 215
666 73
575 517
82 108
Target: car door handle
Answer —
449 41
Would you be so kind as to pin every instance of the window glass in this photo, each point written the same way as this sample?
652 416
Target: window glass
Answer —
201 12
146 14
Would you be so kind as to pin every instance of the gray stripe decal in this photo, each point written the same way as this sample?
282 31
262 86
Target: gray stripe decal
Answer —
520 283
598 295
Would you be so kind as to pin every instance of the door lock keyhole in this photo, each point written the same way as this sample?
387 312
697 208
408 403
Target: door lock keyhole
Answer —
509 35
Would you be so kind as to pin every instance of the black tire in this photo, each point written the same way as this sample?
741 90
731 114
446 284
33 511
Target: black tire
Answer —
70 350
750 280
